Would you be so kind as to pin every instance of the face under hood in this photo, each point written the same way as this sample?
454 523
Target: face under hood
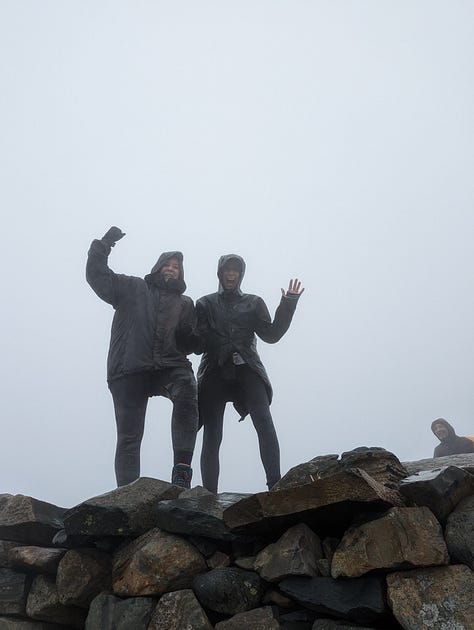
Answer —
154 276
451 431
240 262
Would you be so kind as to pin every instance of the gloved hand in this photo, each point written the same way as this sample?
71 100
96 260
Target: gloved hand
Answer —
112 236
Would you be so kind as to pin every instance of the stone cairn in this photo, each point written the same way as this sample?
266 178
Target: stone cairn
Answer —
356 541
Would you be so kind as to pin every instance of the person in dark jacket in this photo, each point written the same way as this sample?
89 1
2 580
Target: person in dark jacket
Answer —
451 444
231 369
152 332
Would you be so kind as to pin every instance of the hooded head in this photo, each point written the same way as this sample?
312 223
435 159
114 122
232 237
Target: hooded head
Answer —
442 429
235 265
172 284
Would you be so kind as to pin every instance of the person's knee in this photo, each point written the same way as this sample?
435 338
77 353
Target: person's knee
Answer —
128 442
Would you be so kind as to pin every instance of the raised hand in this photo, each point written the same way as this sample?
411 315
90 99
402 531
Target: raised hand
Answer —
113 235
294 289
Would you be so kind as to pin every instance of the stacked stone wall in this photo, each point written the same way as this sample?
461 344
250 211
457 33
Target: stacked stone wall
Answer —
352 541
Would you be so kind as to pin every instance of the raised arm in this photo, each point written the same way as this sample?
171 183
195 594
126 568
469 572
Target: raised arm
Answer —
269 331
98 274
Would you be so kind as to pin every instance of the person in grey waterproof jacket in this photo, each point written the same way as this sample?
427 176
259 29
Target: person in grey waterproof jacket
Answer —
450 443
152 332
231 369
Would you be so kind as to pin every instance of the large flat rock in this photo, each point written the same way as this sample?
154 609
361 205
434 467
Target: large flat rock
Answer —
25 519
126 511
327 505
198 515
380 464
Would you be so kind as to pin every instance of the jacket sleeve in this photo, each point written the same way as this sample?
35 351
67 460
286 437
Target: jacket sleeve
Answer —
187 334
201 328
269 331
107 285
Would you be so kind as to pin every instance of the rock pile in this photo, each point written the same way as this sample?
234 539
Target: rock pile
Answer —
340 542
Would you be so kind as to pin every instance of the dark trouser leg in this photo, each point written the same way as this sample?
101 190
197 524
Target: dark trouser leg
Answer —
256 401
211 406
180 386
130 401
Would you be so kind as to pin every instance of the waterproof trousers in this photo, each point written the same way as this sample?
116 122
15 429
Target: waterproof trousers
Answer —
249 390
130 395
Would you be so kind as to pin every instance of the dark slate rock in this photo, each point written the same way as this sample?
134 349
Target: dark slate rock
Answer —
274 597
229 590
28 520
108 612
37 559
197 516
206 546
125 511
307 472
179 610
295 553
297 619
459 532
218 560
327 505
324 567
464 461
13 592
331 624
360 600
43 604
246 562
62 540
440 490
82 575
5 546
380 464
9 623
103 543
261 618
197 491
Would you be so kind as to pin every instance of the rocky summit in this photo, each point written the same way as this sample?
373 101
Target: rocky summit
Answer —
359 540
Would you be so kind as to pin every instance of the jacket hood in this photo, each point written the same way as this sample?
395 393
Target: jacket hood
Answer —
222 261
154 277
451 431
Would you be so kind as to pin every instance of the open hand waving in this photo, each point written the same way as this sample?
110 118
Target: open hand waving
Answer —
293 289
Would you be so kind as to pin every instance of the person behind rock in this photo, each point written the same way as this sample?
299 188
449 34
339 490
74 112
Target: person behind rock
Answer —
231 370
152 332
451 444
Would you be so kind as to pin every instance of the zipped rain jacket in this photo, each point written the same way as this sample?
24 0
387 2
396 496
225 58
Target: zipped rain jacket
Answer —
228 322
154 322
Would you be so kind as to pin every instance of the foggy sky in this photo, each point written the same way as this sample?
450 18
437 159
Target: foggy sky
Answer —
328 140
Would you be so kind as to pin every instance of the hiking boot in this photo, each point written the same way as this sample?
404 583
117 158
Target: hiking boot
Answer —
181 475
